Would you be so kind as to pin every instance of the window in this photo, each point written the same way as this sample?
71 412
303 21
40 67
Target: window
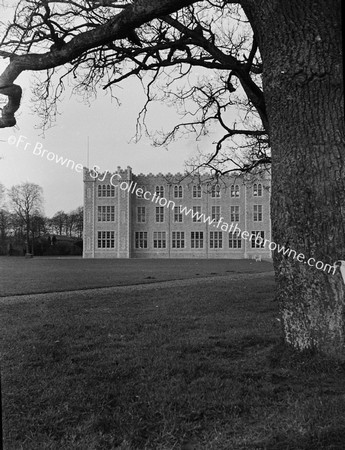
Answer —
216 239
235 240
106 214
160 191
106 239
141 214
215 191
257 213
159 239
234 213
178 239
106 190
178 191
141 239
196 213
234 190
159 214
197 191
257 190
258 239
177 214
215 212
197 239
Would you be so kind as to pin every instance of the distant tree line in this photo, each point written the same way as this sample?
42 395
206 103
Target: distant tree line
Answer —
25 230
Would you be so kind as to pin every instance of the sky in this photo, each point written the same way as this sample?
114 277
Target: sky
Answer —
103 126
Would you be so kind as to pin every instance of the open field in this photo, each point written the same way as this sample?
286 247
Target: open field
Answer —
25 276
194 364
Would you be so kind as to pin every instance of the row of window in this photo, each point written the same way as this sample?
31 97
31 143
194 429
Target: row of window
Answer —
108 190
197 215
107 214
106 239
178 239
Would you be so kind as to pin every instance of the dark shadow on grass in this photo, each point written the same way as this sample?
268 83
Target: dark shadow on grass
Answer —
328 439
285 356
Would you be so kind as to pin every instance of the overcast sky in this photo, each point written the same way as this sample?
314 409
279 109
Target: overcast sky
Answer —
110 129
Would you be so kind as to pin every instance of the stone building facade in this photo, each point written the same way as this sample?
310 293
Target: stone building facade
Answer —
175 216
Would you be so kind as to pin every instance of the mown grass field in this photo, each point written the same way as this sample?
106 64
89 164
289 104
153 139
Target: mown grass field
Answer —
25 276
164 366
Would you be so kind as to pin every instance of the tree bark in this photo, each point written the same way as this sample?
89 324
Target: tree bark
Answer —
301 47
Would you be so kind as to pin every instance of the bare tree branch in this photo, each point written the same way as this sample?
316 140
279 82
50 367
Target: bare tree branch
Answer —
117 27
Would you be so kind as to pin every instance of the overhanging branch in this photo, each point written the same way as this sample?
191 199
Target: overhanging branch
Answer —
118 27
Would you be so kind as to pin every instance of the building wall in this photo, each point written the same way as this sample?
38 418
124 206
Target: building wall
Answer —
120 227
138 235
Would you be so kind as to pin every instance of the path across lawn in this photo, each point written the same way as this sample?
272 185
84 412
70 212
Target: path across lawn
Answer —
37 275
125 289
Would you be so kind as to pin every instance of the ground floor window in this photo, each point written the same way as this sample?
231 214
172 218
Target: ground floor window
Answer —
197 239
141 239
258 239
235 240
178 239
106 239
159 239
216 239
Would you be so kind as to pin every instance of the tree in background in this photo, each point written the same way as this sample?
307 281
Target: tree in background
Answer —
59 223
13 225
4 220
2 196
286 73
68 224
26 201
38 226
76 222
5 228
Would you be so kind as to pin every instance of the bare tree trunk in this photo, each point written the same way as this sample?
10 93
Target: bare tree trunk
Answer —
33 242
27 220
301 51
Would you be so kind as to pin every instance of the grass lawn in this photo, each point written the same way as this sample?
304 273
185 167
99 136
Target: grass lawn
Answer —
25 276
163 368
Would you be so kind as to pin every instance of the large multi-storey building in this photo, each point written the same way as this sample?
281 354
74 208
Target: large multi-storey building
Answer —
175 216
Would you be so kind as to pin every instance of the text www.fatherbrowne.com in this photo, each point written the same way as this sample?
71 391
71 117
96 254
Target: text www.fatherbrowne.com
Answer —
233 228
